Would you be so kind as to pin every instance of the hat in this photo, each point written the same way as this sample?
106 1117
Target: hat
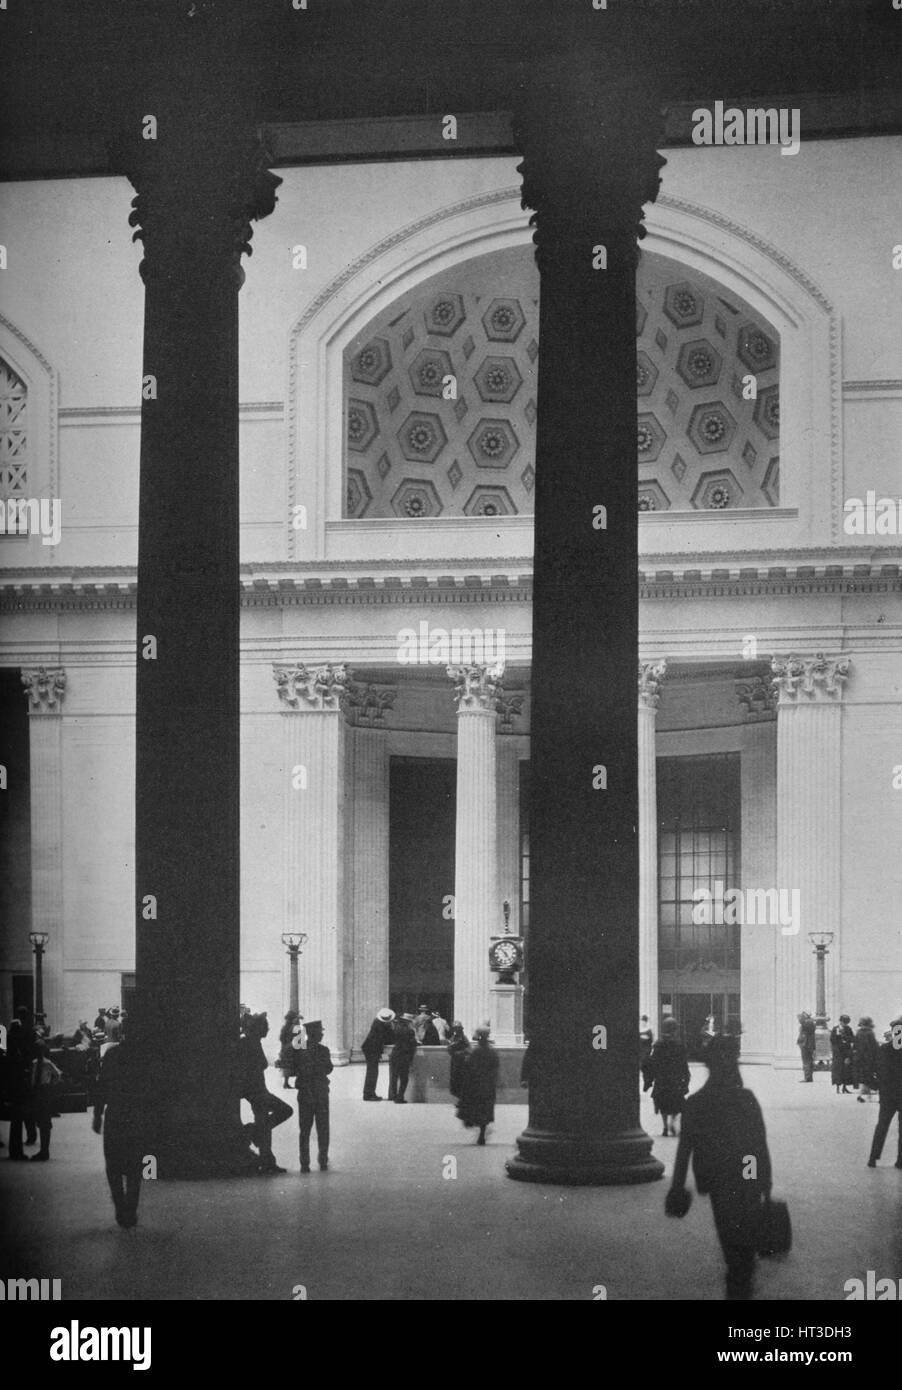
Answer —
482 1032
408 1017
313 1023
385 1015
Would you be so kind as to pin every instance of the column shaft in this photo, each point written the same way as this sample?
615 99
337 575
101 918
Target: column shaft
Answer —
589 165
45 744
761 943
368 856
650 674
477 910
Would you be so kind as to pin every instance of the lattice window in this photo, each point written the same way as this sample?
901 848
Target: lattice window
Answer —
13 433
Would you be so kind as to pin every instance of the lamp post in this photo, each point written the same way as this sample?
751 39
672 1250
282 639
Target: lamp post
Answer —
293 941
821 940
38 941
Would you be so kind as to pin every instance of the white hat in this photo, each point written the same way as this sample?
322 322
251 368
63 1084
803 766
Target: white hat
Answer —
385 1015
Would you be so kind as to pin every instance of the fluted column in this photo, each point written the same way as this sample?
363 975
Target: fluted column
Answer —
313 708
45 689
651 673
366 954
760 944
809 714
477 910
201 179
588 135
507 760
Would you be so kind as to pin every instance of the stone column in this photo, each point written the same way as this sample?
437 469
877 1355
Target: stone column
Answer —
477 909
314 700
588 136
651 673
366 956
45 689
760 944
809 713
200 179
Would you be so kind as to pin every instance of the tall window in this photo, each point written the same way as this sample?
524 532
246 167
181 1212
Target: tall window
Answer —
13 433
698 847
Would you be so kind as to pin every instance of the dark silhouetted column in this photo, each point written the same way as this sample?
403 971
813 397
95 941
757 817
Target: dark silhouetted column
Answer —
200 181
589 165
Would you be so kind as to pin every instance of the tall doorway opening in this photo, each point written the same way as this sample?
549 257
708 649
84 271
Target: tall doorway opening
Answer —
422 809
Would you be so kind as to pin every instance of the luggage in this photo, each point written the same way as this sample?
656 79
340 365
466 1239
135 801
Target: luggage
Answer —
775 1233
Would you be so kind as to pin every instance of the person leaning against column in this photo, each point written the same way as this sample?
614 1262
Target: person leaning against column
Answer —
889 1081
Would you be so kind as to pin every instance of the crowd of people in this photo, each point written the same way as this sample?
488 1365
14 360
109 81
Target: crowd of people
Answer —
722 1129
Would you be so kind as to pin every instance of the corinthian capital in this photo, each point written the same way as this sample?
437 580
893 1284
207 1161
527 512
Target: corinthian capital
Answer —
312 687
477 688
369 703
45 689
757 697
588 134
651 673
199 186
815 678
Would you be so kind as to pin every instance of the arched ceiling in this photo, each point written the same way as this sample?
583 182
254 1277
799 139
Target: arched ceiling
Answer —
441 396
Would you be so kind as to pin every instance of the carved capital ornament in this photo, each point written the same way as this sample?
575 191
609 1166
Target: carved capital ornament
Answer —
799 680
318 688
477 688
45 689
651 674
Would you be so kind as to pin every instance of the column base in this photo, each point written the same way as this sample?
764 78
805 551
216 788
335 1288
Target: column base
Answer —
577 1161
197 1154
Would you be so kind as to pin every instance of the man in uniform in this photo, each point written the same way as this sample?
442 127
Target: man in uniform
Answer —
313 1064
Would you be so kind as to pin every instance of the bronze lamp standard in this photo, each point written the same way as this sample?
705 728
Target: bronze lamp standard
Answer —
39 941
821 940
293 941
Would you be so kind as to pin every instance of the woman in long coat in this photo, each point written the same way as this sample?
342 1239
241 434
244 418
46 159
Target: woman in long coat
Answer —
458 1050
669 1068
476 1108
866 1050
842 1041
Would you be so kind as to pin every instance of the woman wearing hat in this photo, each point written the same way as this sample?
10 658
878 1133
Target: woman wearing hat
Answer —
842 1041
865 1049
668 1067
376 1040
479 1081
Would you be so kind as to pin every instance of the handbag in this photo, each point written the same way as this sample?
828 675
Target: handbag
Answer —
775 1228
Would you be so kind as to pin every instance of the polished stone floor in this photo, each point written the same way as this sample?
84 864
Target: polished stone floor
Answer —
386 1223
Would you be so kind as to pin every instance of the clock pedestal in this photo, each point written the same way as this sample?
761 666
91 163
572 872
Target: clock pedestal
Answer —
506 1014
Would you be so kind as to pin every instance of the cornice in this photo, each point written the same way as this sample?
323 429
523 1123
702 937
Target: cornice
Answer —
489 581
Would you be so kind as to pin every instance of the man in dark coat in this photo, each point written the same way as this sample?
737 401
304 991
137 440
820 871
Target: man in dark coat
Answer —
269 1110
21 1050
458 1050
889 1080
479 1083
805 1044
402 1054
723 1132
376 1040
313 1064
865 1057
117 1111
646 1042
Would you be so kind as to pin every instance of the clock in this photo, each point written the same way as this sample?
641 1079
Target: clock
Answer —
506 956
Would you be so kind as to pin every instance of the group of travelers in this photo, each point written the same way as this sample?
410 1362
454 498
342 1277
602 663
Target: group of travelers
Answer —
855 1056
473 1077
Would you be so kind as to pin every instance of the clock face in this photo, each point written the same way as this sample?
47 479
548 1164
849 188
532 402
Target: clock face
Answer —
507 954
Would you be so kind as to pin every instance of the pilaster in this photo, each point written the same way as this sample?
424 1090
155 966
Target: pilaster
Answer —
809 730
651 674
45 689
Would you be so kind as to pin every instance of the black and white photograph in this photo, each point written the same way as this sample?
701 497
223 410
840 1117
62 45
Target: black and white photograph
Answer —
451 666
